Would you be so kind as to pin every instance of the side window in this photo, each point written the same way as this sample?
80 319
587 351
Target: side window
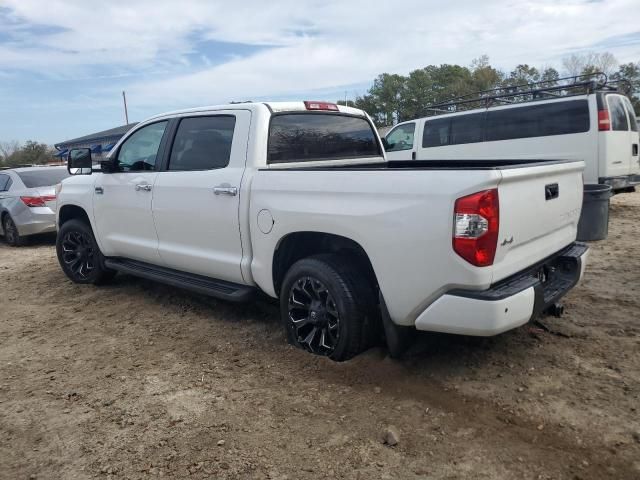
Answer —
202 143
617 113
467 128
512 123
140 150
401 137
436 133
4 183
559 118
632 114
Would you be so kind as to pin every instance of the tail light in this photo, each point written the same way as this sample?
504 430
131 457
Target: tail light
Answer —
476 224
604 122
321 106
37 201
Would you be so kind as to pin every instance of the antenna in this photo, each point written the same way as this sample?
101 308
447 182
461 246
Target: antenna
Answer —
126 114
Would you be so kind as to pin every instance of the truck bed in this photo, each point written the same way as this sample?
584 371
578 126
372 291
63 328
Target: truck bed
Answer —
501 164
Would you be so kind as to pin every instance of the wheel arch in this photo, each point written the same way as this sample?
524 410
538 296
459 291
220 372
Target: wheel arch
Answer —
70 212
295 246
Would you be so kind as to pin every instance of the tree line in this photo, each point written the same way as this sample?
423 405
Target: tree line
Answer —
394 98
14 153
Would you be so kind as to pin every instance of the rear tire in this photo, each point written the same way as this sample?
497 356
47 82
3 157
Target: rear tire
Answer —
327 305
11 235
79 254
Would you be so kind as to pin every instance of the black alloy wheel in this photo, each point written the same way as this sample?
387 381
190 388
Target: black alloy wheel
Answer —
314 316
327 306
78 254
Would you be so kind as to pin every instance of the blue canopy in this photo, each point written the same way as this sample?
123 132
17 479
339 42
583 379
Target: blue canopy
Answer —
97 148
106 148
61 153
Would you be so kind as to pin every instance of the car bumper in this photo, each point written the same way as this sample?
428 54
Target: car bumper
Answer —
36 220
621 182
511 302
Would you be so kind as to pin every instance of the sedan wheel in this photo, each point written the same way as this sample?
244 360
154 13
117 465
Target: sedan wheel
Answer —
11 234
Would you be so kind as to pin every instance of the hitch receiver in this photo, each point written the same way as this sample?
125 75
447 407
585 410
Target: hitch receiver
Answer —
556 310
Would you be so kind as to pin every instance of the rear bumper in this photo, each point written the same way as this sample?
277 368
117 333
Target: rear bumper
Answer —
511 302
35 220
621 182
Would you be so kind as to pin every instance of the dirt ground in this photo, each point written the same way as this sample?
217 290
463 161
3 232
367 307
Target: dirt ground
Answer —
136 379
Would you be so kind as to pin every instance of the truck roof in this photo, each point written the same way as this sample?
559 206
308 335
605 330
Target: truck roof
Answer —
296 106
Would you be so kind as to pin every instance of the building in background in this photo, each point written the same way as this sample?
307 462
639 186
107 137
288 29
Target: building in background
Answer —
100 143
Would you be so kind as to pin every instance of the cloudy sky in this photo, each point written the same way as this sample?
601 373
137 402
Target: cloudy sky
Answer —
64 63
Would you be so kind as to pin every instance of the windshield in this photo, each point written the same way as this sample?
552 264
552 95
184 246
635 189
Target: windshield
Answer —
44 177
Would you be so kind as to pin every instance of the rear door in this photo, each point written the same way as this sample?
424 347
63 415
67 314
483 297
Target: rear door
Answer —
401 142
618 139
196 197
634 164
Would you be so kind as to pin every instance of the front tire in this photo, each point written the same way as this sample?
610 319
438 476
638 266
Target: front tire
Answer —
79 254
326 305
11 235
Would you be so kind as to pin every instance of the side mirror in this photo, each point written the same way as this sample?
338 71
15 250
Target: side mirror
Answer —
79 161
385 144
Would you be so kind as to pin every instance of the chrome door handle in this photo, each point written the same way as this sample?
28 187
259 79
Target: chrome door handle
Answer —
222 190
99 190
144 187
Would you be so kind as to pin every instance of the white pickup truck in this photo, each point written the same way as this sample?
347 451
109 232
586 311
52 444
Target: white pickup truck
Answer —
298 201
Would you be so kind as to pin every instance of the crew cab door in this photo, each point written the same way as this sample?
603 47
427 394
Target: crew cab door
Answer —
122 199
197 195
401 142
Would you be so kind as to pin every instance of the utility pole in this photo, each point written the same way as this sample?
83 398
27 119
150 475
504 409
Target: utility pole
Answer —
345 99
126 114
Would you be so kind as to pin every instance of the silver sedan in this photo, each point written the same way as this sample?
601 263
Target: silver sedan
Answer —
28 201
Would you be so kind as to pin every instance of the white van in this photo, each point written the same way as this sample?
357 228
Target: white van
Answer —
598 127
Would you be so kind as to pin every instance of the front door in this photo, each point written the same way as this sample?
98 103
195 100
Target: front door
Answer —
196 198
122 199
401 144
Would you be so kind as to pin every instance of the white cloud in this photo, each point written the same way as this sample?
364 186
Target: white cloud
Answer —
311 45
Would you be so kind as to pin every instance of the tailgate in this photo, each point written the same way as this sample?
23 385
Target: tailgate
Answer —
539 210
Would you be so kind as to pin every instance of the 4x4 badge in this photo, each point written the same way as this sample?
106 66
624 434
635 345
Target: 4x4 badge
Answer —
506 242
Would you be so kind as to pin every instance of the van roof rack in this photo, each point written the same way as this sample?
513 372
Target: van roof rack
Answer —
527 92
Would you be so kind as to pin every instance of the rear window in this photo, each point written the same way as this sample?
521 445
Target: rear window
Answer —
305 137
559 118
45 177
617 113
632 114
4 182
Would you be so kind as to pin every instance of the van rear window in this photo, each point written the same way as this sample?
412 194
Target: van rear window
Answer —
306 137
617 113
